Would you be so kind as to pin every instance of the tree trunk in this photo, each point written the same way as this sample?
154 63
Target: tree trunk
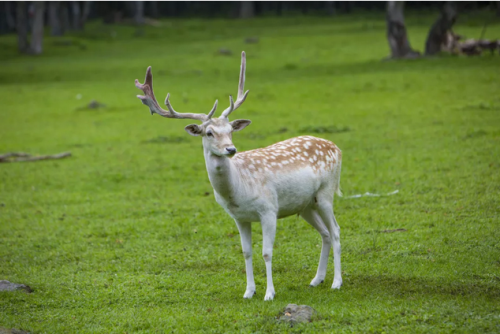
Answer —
54 18
139 13
64 16
22 27
330 7
304 7
85 13
154 9
37 32
247 9
9 17
439 30
279 8
396 32
75 15
107 11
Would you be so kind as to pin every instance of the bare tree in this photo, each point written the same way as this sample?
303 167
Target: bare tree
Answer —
330 7
439 30
85 13
139 12
75 15
37 29
55 18
22 26
64 16
9 16
247 9
396 32
153 9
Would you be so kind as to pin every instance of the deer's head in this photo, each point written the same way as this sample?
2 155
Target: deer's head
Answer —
216 133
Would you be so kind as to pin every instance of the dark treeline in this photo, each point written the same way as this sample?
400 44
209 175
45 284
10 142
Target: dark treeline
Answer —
30 18
72 15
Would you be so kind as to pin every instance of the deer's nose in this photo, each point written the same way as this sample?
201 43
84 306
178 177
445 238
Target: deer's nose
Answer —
231 150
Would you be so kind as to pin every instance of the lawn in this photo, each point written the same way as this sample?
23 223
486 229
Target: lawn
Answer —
126 236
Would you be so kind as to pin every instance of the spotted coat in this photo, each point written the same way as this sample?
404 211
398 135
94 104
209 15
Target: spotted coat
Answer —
290 155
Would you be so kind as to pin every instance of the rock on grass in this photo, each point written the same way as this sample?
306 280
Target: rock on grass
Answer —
8 286
296 314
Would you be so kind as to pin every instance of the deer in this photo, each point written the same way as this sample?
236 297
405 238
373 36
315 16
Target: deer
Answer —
298 176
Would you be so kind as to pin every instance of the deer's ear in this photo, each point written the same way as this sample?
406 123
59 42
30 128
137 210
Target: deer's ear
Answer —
193 129
240 124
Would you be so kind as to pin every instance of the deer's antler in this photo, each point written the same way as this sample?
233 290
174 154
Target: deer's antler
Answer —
241 97
150 100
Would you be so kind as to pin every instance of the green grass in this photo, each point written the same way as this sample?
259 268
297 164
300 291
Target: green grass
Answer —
125 236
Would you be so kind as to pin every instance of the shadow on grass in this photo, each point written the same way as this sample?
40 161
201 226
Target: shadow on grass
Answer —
407 286
279 73
424 64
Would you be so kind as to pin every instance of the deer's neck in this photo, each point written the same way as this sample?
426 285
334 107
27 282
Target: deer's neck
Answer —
222 174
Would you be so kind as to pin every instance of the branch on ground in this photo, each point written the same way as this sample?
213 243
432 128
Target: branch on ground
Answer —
23 157
455 44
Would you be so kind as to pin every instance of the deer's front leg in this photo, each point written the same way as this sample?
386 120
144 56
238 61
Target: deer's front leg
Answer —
268 222
246 245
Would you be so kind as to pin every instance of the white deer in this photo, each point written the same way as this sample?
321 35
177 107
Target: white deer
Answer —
296 176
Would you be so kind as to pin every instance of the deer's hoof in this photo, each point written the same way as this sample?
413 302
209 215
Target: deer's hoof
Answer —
316 282
337 283
269 295
249 294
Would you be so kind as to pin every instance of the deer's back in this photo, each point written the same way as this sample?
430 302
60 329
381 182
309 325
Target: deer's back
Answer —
289 156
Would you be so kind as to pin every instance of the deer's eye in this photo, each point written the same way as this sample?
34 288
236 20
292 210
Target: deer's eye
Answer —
210 133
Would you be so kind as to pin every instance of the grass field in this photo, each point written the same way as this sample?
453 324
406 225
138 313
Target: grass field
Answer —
126 236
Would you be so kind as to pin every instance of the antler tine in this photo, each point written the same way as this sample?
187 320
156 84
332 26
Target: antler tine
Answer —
231 105
149 99
241 85
212 112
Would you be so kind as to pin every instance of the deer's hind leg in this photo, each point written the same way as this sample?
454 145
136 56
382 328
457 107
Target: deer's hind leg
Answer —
312 217
324 207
